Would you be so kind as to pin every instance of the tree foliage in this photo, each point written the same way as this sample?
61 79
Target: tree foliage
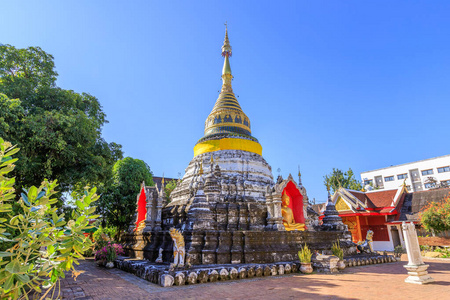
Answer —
338 178
168 188
118 203
42 246
58 131
435 217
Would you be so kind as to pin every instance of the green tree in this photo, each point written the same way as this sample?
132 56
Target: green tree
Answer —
435 217
41 246
118 203
58 131
337 179
168 189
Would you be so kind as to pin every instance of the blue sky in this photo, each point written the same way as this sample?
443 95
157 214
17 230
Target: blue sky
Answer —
360 84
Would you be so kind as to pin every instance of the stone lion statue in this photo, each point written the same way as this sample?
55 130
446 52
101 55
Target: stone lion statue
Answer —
367 245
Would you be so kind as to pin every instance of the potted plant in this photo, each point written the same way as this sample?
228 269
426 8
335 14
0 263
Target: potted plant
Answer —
305 255
339 252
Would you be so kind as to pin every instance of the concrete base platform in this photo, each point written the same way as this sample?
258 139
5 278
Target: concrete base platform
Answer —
165 276
418 274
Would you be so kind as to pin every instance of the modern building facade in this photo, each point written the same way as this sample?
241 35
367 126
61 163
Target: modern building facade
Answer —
421 175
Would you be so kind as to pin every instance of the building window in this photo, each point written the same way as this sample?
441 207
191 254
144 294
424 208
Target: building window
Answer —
389 178
445 183
427 172
402 176
430 185
368 182
444 169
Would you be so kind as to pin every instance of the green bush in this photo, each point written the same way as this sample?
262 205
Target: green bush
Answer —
425 248
103 235
42 244
435 217
445 252
399 250
337 250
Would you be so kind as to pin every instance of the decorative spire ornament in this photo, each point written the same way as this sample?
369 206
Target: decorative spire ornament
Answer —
299 176
226 48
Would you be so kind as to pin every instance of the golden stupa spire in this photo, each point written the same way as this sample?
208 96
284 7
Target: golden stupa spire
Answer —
227 115
226 70
227 127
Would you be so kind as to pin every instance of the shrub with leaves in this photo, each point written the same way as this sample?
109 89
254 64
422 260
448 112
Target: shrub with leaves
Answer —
105 233
305 254
399 250
43 245
337 250
435 217
109 252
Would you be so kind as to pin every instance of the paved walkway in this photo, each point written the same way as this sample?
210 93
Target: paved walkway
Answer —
384 281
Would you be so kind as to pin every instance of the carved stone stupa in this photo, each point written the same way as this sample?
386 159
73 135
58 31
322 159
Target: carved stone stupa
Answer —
331 219
227 206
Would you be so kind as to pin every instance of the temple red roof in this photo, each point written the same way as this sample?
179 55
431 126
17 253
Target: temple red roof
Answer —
382 198
376 200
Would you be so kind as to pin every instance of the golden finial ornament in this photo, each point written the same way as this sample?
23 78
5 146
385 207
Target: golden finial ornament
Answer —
200 172
212 158
226 48
162 180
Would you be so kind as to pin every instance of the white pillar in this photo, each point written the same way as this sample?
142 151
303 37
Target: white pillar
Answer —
417 270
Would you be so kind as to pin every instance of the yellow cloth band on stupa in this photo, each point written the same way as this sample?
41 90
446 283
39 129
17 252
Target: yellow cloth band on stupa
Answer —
227 144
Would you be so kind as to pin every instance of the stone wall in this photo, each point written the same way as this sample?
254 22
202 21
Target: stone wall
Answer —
224 247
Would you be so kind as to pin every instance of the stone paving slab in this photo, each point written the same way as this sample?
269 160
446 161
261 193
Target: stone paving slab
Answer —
381 281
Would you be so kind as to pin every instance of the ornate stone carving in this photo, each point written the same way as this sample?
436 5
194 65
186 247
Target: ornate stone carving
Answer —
178 248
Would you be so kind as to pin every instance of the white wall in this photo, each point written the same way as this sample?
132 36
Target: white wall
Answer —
432 163
383 246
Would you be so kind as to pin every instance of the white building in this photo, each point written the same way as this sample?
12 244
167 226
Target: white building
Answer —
420 175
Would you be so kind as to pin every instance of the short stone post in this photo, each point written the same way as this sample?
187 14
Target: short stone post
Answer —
417 270
277 217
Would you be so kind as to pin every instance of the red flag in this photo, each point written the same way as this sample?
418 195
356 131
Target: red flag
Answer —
141 207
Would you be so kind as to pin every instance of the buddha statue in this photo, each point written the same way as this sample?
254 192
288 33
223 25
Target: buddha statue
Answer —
288 215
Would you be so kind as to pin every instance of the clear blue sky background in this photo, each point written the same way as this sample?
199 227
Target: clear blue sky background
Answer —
360 84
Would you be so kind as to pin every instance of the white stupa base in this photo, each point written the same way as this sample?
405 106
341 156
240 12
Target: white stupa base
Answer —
418 274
